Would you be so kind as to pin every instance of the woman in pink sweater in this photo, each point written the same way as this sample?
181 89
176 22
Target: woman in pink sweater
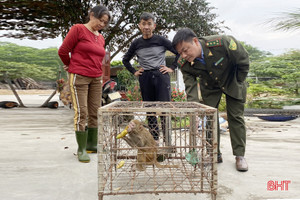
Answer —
82 53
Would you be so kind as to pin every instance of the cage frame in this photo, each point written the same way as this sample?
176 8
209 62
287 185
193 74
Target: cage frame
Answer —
142 107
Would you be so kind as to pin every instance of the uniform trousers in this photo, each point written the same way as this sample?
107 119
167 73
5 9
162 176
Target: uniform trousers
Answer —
235 116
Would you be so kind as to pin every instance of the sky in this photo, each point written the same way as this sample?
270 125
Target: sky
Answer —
245 18
247 21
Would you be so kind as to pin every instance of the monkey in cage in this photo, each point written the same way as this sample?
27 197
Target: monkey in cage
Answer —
137 136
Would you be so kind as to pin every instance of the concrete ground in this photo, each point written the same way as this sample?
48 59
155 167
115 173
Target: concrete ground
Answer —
38 161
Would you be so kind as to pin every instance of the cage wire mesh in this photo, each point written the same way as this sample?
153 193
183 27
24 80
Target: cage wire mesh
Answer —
186 149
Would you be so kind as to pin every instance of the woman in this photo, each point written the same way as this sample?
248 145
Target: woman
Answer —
86 46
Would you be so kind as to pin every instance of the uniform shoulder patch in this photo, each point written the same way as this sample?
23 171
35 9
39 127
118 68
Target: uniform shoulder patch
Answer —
181 61
215 43
232 45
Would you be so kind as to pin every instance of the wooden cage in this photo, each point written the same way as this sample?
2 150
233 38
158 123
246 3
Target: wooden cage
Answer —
187 139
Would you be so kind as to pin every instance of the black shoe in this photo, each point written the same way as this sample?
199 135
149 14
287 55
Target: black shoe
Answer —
160 157
219 159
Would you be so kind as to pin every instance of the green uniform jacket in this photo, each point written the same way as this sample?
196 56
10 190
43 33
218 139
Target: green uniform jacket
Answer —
226 68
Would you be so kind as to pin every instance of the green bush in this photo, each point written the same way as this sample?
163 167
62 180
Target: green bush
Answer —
126 79
178 95
116 63
134 94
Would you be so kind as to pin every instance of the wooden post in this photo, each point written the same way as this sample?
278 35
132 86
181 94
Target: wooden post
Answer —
47 101
13 89
53 93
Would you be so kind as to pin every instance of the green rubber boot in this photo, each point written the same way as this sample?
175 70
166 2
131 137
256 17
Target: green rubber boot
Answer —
81 137
92 140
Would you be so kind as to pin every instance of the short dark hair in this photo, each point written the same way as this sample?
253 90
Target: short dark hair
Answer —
183 35
146 16
99 11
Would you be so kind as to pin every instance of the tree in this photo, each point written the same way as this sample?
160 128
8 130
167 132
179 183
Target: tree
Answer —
254 53
20 61
195 14
29 19
284 69
290 21
39 19
19 69
43 57
286 66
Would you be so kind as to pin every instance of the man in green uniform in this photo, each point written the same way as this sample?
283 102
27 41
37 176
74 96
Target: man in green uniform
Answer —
222 64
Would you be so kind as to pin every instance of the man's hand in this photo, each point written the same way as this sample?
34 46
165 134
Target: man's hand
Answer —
164 69
139 72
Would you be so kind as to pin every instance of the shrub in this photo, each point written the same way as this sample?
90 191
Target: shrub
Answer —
134 94
177 95
126 79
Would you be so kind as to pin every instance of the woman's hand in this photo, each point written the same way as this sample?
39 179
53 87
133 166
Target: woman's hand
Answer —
66 67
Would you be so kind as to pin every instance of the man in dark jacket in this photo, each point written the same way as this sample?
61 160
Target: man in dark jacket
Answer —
153 74
221 64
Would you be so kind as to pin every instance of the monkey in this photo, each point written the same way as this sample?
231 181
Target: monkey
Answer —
138 136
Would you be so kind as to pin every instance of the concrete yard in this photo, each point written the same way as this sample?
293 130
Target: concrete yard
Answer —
38 161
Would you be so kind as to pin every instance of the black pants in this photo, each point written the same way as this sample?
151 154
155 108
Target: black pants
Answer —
155 86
